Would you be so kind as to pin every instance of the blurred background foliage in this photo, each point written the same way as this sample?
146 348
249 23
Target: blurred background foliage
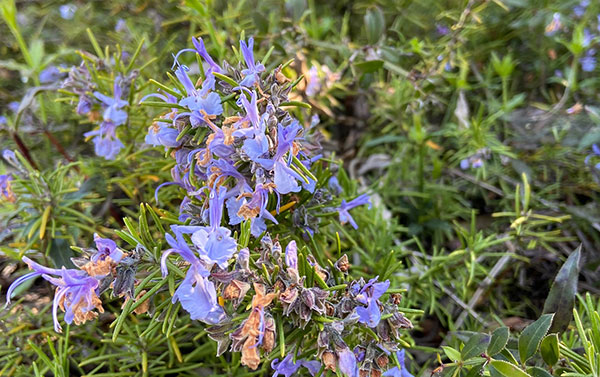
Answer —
470 120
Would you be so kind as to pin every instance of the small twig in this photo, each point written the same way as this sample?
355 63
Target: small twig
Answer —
23 149
474 180
495 271
57 145
461 303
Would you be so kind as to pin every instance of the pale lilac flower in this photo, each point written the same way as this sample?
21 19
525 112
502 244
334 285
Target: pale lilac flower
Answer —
215 242
196 293
345 207
161 134
588 62
442 29
5 188
554 26
84 105
291 255
50 75
334 185
121 26
251 74
347 362
106 143
595 153
76 292
587 37
369 295
579 9
113 112
67 11
106 248
314 83
287 367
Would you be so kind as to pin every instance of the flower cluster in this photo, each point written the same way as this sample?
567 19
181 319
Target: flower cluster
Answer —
108 110
588 60
475 160
247 167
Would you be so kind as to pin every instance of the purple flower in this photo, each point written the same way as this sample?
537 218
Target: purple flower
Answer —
256 209
196 293
161 134
334 185
464 164
233 207
395 372
215 242
121 26
198 297
75 292
209 81
369 295
67 11
442 29
200 103
256 144
106 248
588 62
251 74
106 143
201 50
285 178
347 362
5 188
595 153
84 105
314 83
50 75
345 207
587 37
287 367
554 25
579 9
291 255
14 106
113 112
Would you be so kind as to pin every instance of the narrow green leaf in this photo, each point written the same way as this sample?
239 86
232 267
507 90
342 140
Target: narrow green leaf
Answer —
531 337
227 79
296 104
